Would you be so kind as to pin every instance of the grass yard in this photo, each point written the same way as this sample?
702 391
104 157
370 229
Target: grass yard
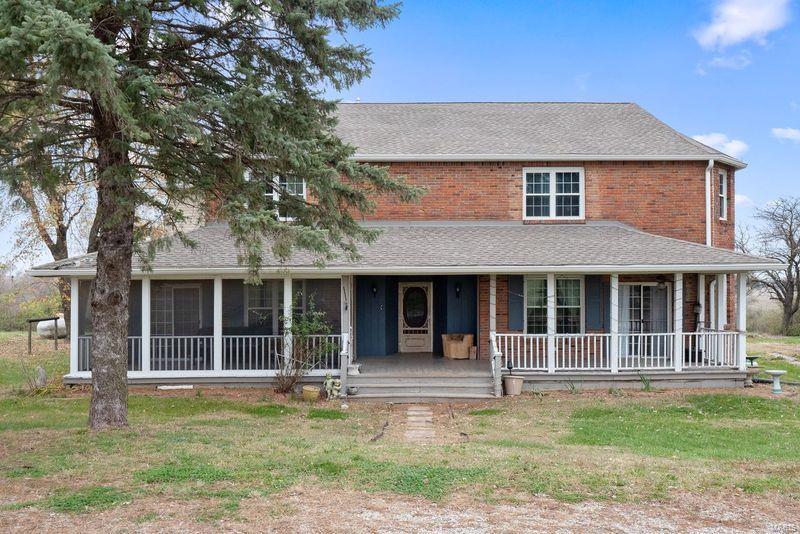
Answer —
248 460
777 353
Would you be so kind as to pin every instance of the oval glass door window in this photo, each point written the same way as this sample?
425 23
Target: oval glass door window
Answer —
415 307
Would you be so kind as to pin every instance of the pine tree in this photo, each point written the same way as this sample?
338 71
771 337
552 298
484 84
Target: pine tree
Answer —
180 100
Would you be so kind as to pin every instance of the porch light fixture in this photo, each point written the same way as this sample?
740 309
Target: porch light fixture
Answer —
374 291
458 290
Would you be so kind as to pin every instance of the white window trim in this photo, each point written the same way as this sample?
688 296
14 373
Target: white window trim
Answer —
582 279
276 300
553 217
722 182
276 196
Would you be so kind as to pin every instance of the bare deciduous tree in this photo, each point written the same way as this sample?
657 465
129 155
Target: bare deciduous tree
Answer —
778 238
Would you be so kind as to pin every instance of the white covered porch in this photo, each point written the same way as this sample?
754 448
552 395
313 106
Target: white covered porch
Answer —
714 344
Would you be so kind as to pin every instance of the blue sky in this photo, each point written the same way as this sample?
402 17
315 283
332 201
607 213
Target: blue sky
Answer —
726 70
723 69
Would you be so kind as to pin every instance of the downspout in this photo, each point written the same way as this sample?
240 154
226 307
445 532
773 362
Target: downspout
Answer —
709 168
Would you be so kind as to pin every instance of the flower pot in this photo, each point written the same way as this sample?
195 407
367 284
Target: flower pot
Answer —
512 384
310 393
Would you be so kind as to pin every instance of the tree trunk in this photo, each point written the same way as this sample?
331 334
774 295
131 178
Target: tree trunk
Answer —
111 287
786 322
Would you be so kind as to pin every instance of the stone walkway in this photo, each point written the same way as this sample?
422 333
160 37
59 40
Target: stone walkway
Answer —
419 424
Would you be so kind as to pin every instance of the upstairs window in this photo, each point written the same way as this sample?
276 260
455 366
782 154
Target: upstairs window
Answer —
723 195
553 193
290 186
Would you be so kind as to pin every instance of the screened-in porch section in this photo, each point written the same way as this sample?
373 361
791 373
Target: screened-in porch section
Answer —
223 325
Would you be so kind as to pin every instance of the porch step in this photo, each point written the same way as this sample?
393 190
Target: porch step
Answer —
417 398
416 387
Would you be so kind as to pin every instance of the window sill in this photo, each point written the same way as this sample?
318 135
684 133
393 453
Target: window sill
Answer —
527 220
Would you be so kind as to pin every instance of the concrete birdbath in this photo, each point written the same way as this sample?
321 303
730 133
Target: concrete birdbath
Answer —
776 379
750 372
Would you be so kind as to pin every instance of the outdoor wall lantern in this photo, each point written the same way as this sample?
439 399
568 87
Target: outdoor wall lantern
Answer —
458 290
374 291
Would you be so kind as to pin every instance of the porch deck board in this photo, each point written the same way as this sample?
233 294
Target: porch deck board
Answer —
422 364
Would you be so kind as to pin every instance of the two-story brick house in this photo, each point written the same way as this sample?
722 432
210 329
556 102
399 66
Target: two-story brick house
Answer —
575 242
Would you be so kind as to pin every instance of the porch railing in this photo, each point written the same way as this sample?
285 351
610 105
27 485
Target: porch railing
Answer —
634 351
252 353
239 353
134 353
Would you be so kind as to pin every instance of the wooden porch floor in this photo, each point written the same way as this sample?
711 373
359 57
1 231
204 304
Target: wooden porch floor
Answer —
422 364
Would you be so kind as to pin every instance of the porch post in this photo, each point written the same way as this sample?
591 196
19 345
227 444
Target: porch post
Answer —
346 352
146 324
551 323
614 330
741 319
712 305
701 301
287 320
722 301
492 304
218 323
74 315
677 319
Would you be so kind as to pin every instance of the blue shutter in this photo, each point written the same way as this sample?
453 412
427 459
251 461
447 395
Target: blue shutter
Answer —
597 310
516 302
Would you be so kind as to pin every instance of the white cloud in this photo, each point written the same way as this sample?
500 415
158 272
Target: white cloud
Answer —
787 134
723 143
743 201
737 21
735 62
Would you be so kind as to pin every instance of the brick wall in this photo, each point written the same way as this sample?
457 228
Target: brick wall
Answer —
665 198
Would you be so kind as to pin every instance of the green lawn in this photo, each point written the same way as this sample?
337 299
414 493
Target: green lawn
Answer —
768 348
222 448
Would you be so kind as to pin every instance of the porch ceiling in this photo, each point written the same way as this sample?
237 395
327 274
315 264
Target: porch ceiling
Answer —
456 247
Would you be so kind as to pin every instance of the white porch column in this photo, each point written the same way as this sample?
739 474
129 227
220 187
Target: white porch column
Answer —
614 326
287 320
218 323
677 319
741 319
74 316
701 301
492 303
346 302
146 324
712 305
722 301
551 323
346 353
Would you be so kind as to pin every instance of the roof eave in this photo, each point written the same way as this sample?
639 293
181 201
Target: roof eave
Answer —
733 162
443 269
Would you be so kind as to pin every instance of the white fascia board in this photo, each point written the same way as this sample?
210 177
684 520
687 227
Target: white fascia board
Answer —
545 157
331 272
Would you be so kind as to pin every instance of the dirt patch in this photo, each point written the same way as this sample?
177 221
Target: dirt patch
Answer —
305 509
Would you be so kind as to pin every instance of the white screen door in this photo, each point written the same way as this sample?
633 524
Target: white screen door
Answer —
415 317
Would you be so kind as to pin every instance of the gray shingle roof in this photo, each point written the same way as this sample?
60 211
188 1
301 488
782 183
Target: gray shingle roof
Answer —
463 246
514 131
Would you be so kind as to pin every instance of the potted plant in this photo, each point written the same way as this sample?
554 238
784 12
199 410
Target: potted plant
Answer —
512 383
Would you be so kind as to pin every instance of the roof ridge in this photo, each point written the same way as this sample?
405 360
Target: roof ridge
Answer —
437 102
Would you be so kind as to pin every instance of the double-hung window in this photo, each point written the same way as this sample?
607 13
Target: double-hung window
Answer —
553 193
289 186
723 194
568 305
536 306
